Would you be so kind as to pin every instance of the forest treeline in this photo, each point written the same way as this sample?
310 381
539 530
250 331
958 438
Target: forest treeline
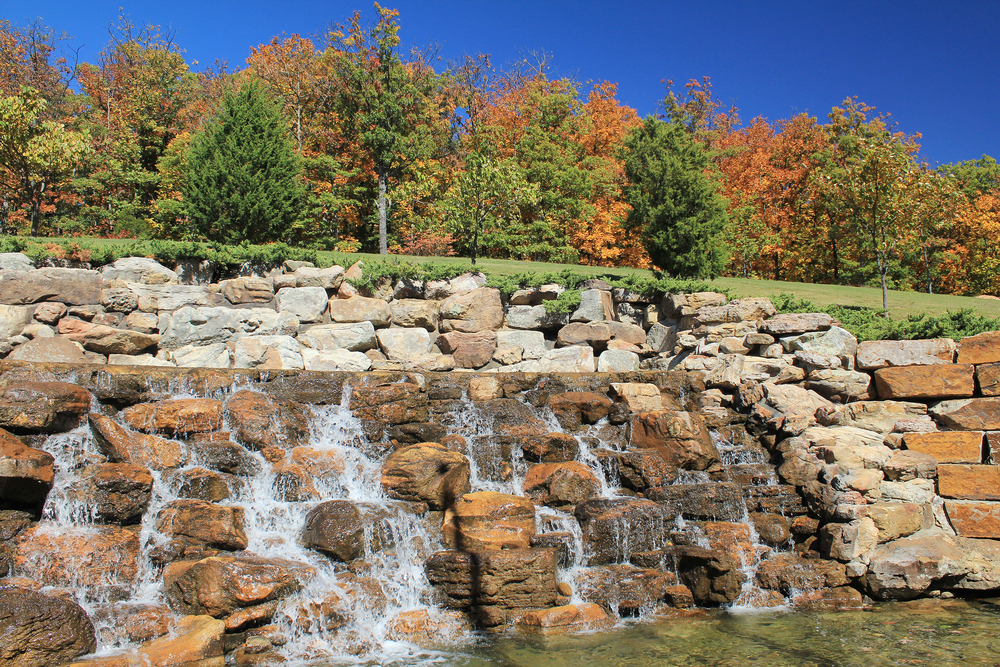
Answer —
383 150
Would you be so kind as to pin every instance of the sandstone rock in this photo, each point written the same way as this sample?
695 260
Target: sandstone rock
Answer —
197 641
908 567
575 359
638 397
615 528
972 414
790 572
26 473
207 326
43 406
489 521
878 416
217 526
716 574
329 279
216 355
120 491
584 616
797 323
139 270
307 304
534 318
13 319
598 334
46 313
105 339
93 556
153 298
617 361
845 385
15 261
531 343
640 469
472 312
738 310
942 381
972 518
335 360
390 404
551 448
846 542
223 455
442 289
404 344
208 485
561 484
793 401
250 289
579 407
906 465
426 472
682 438
948 446
175 416
895 520
713 501
595 306
70 286
138 360
632 591
218 586
40 630
271 352
988 379
733 345
917 491
727 373
259 421
508 579
969 482
415 313
356 337
681 305
122 445
471 350
336 528
883 353
983 348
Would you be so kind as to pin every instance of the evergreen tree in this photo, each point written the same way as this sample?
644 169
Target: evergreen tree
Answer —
674 200
242 175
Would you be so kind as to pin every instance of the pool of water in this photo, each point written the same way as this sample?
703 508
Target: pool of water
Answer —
936 633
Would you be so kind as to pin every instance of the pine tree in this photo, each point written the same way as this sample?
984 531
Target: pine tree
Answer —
242 180
674 200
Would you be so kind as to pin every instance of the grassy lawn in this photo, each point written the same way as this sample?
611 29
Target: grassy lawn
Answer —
901 304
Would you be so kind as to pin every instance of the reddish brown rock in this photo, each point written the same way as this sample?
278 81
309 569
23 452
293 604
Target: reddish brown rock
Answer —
175 416
561 484
616 528
121 445
631 590
471 350
26 473
197 641
43 406
579 407
426 472
216 526
509 579
292 482
906 464
682 438
320 463
203 484
105 339
948 446
134 622
120 491
551 448
389 404
842 598
218 586
942 381
487 521
974 518
983 348
97 556
641 469
970 414
969 482
472 312
259 421
40 630
336 528
598 334
988 379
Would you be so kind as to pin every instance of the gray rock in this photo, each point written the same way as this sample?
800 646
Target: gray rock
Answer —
797 323
631 313
534 318
360 309
305 303
139 270
153 298
45 350
137 360
206 326
15 261
329 278
684 305
404 344
531 343
248 289
442 289
267 352
335 360
13 319
595 306
662 337
847 542
74 287
878 416
408 288
215 355
846 385
195 272
119 298
356 337
882 353
471 312
834 341
738 310
573 359
617 361
415 313
919 491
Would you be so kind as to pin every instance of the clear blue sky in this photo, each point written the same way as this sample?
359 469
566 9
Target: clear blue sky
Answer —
934 65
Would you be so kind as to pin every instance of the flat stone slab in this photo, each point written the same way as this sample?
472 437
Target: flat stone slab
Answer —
883 353
974 519
970 414
969 482
945 381
980 349
948 446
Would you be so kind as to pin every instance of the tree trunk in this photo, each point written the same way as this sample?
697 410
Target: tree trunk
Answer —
383 211
927 271
475 244
883 269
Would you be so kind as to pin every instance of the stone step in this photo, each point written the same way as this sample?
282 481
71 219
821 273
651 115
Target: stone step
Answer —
774 498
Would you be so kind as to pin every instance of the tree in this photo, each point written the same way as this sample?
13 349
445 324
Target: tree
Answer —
674 199
242 174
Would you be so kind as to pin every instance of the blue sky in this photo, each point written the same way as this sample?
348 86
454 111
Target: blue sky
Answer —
934 65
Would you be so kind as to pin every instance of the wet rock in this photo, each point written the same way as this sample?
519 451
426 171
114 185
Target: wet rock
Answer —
551 448
43 406
716 574
715 501
583 616
259 421
575 408
336 528
631 591
224 456
120 492
389 404
926 382
426 472
790 573
639 397
615 528
641 469
508 416
95 556
292 482
509 579
134 622
842 598
41 630
472 312
218 586
884 353
207 485
26 473
178 416
682 438
561 484
486 521
122 445
216 526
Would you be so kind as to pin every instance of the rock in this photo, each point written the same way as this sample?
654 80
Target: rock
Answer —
138 360
139 270
895 520
73 287
617 361
426 472
15 261
616 528
845 385
356 337
207 485
120 491
641 469
250 289
175 416
969 482
224 456
793 401
197 641
662 338
13 319
217 526
404 344
598 334
259 421
216 355
846 542
727 373
336 528
119 298
906 465
489 521
908 567
207 326
738 310
716 574
388 405
632 591
271 352
40 630
153 298
472 312
595 306
884 353
579 407
797 323
534 296
971 414
584 616
307 304
575 359
842 598
972 518
714 501
335 360
551 448
442 289
415 313
638 397
531 343
329 279
789 573
46 313
561 484
220 585
948 446
682 438
680 305
508 579
26 473
122 445
471 350
982 348
105 339
733 345
917 491
942 381
94 556
834 342
987 378
195 272
43 406
534 318
878 416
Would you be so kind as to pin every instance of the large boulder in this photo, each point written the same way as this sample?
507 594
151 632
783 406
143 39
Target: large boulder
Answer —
682 438
926 382
207 326
595 306
790 573
471 350
259 421
534 318
878 416
41 630
175 416
489 521
616 528
472 312
415 313
309 276
426 472
57 350
982 348
104 339
250 289
216 526
43 406
883 353
404 344
360 309
561 484
155 298
74 287
631 590
508 579
118 492
93 556
347 530
26 474
267 352
139 270
353 336
307 304
122 445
